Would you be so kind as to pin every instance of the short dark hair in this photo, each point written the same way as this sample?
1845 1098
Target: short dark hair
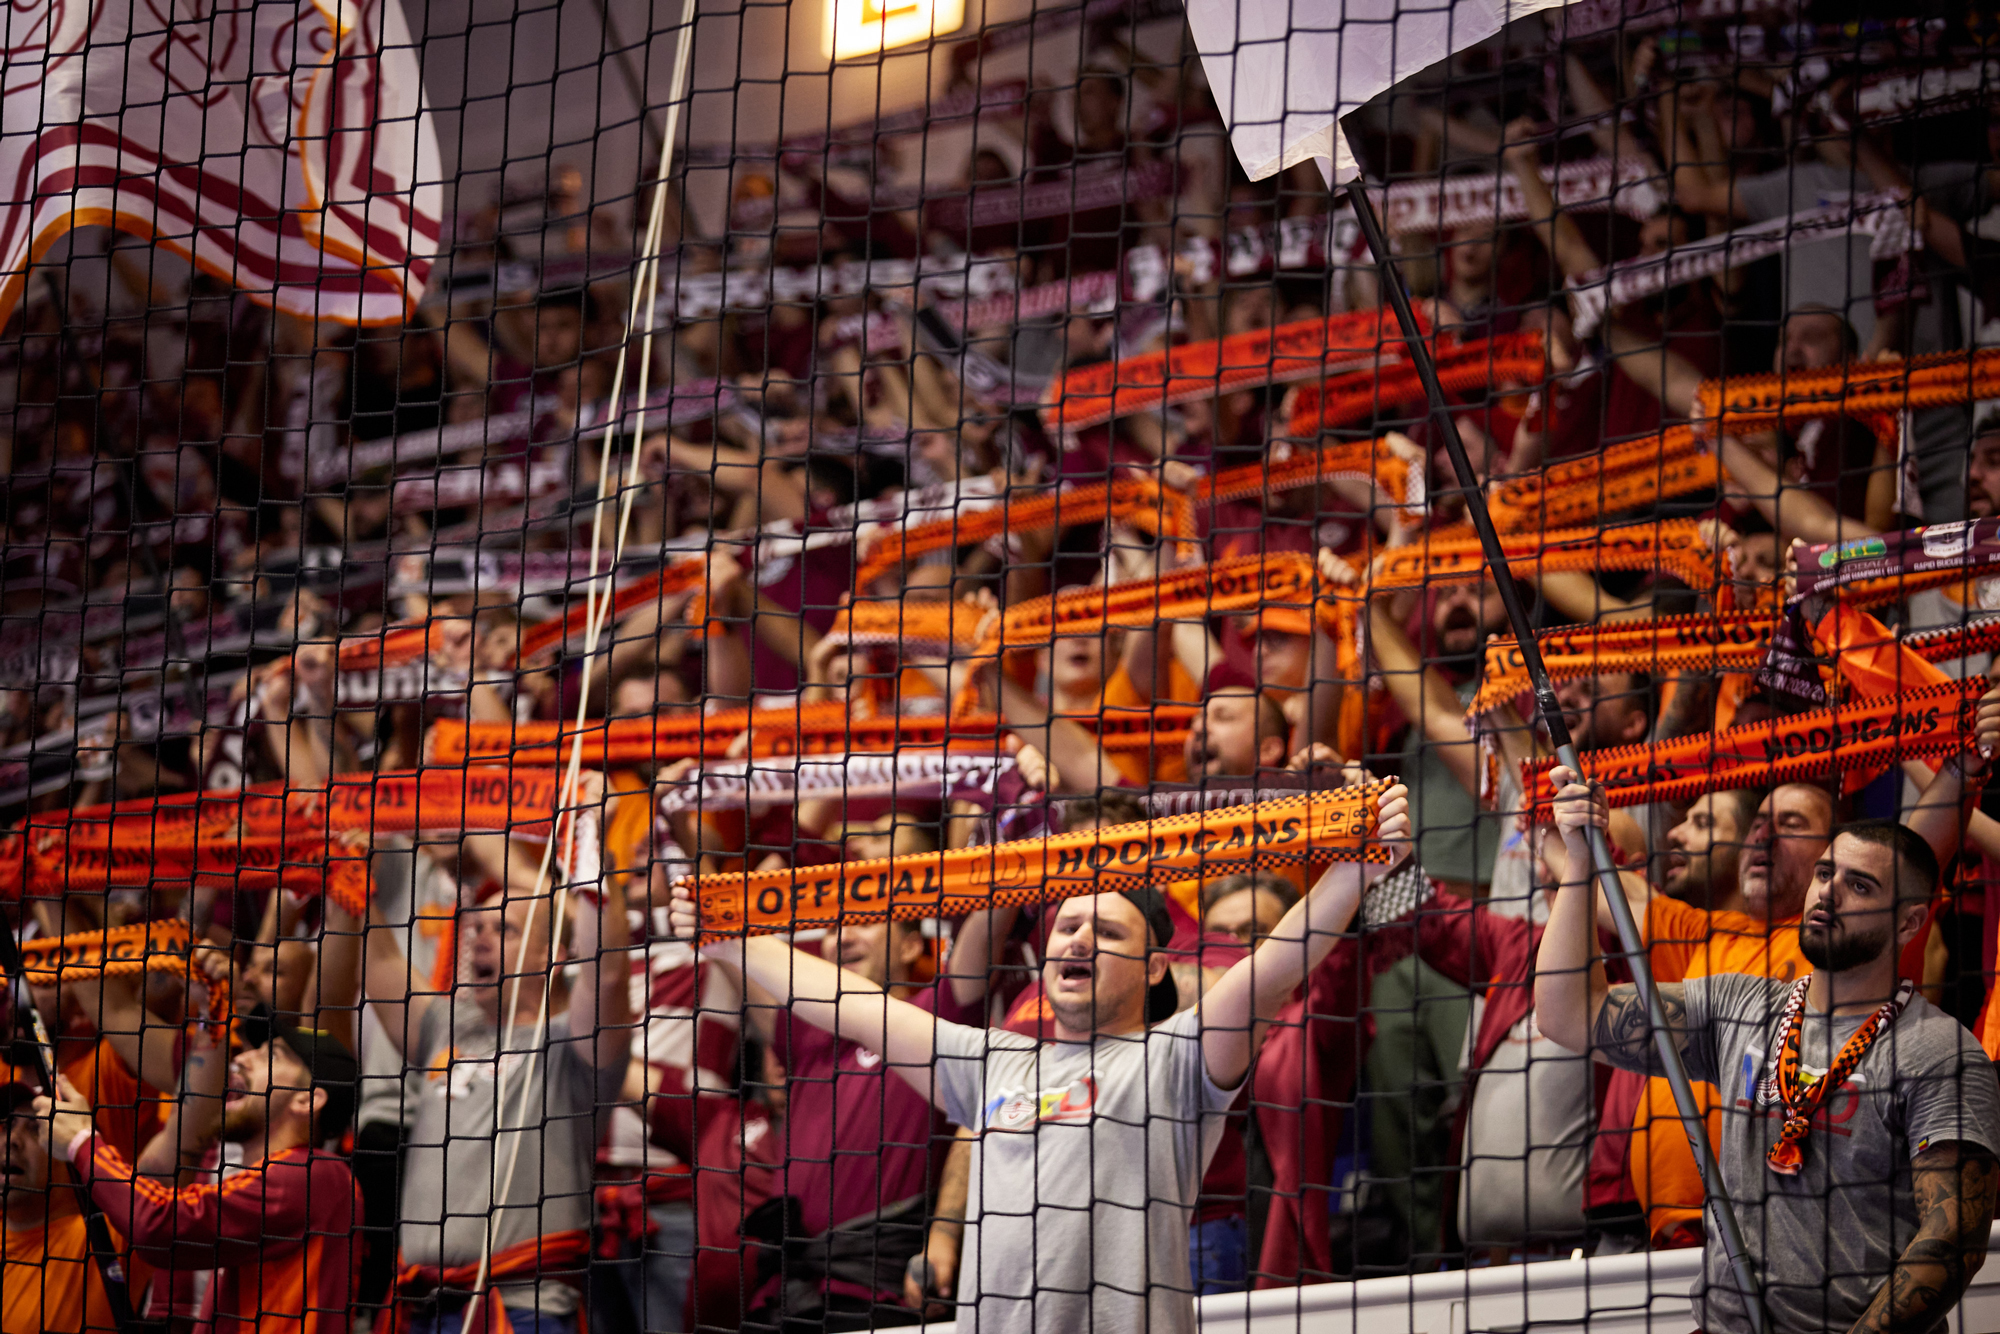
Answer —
1215 891
1746 800
1987 425
1108 807
1916 863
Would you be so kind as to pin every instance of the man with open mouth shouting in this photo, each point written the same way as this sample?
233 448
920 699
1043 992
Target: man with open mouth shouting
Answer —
1089 1148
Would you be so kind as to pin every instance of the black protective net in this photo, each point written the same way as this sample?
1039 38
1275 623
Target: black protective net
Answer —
797 668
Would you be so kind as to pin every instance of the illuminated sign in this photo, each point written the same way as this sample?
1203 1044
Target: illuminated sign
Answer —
870 27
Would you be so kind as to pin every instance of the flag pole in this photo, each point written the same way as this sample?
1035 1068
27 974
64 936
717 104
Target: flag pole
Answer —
1550 711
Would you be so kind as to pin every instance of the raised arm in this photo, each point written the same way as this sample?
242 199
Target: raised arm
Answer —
144 1042
1954 1184
1423 694
197 1115
1081 764
1242 1003
1562 237
1794 511
1655 367
386 982
825 995
601 999
1574 1004
1948 801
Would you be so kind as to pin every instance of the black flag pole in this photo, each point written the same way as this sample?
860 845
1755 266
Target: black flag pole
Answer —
1550 711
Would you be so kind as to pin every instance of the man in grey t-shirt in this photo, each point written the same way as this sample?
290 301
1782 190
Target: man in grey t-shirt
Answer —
1865 1194
1089 1150
505 1132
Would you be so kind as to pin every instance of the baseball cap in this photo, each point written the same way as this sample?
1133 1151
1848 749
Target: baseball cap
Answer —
14 1096
332 1067
1163 998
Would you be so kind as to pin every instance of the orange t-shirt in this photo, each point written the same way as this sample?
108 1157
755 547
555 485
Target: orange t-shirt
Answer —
1686 942
1135 767
48 1273
124 1109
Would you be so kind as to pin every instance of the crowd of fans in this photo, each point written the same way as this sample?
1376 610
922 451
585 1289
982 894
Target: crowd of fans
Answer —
204 505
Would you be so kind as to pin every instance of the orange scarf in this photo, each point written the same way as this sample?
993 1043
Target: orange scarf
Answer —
266 835
1303 350
1393 463
1924 721
1627 476
1731 641
1670 546
1241 583
938 627
522 1260
1859 389
1137 500
1294 830
815 729
1345 401
144 947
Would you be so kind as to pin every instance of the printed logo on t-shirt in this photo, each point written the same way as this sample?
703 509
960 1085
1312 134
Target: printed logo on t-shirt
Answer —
465 1072
867 1059
1759 1093
1020 1109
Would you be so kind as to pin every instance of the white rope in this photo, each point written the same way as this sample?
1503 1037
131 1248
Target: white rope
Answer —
597 603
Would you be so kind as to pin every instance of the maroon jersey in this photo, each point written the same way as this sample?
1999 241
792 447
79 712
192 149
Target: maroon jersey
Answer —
279 1237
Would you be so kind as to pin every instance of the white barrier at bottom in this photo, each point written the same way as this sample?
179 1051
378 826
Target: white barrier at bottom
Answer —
1618 1294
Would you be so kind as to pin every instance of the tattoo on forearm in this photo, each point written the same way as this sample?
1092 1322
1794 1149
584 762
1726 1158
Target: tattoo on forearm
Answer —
1623 1034
1954 1185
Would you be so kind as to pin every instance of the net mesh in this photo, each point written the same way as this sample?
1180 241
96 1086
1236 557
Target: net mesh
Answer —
706 667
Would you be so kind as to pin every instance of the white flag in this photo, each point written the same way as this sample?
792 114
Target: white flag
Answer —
284 147
1285 71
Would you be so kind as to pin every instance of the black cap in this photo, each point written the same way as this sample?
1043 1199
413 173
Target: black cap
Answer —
1163 998
1152 905
15 1096
332 1067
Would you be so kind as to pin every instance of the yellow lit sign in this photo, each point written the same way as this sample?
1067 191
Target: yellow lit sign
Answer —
870 27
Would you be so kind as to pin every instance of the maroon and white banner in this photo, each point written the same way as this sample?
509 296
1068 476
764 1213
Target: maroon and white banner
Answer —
284 147
506 482
1086 189
1885 96
1882 217
927 773
1311 242
975 292
1626 184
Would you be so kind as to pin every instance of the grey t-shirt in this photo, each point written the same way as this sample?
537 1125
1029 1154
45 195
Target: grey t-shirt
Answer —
1825 1240
455 1164
1527 1143
1085 1169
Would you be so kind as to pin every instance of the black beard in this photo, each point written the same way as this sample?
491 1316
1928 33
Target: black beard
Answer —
240 1125
1837 953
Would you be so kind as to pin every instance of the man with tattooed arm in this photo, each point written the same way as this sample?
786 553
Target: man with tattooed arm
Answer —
1860 1123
